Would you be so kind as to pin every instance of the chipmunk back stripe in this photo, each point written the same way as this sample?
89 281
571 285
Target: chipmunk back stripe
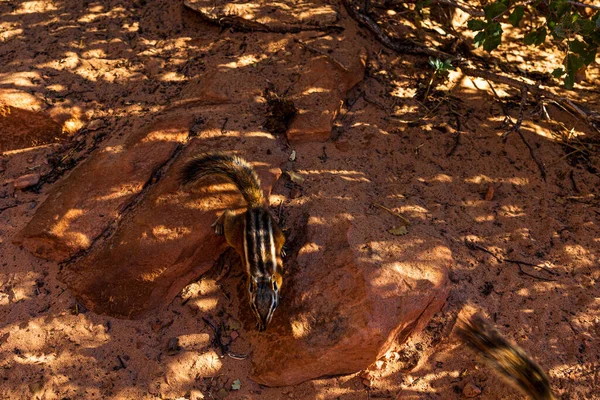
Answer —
251 239
273 254
260 238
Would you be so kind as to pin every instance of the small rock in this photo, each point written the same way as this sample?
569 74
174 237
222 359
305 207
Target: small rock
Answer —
195 394
470 390
95 124
454 276
234 335
295 193
234 324
26 181
367 382
221 394
379 364
156 326
35 387
173 346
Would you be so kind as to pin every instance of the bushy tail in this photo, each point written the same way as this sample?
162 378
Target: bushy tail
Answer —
505 357
234 168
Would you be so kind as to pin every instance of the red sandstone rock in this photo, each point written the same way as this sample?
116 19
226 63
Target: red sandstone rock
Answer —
320 92
82 206
165 242
354 290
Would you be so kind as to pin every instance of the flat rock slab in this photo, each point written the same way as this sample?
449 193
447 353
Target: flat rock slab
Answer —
354 291
167 240
319 93
24 128
82 206
269 16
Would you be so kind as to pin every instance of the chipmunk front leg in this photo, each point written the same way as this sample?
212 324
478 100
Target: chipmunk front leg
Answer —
231 225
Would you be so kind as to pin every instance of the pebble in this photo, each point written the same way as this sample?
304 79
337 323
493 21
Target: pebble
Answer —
26 181
470 390
95 124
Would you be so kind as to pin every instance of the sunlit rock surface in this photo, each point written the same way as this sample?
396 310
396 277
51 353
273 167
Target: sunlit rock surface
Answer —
81 207
164 243
353 291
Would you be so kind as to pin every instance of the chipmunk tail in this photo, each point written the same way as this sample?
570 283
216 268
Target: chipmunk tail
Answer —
505 357
235 169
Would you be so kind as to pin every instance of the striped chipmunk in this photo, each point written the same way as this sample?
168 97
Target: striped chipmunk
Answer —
505 357
253 233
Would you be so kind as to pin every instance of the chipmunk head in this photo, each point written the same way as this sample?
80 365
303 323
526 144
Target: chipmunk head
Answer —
264 298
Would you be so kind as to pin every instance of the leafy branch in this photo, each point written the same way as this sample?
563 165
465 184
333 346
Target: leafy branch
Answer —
577 33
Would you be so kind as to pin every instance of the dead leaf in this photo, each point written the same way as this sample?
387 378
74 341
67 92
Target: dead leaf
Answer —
400 231
296 177
4 338
489 195
405 222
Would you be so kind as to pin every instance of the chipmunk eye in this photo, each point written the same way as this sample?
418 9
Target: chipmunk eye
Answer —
251 286
275 287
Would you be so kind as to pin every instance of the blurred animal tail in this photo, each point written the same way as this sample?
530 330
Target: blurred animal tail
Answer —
505 357
234 168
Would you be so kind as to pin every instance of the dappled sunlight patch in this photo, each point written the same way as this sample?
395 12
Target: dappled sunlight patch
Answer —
163 233
172 77
300 326
165 135
512 211
484 218
32 7
315 89
244 61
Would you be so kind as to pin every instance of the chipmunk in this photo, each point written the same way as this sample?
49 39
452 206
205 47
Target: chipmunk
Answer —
505 357
254 233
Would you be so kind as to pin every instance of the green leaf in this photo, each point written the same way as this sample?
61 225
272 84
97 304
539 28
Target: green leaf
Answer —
569 81
493 10
492 42
529 38
590 57
236 385
479 39
476 24
558 72
577 47
574 62
536 37
516 16
541 36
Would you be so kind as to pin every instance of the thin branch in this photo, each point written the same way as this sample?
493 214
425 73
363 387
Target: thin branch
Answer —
475 246
533 155
535 276
468 10
576 3
408 47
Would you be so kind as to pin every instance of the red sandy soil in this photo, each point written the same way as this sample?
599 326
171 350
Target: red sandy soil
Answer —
122 62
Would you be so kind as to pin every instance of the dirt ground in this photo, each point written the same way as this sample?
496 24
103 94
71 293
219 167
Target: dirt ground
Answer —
101 67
